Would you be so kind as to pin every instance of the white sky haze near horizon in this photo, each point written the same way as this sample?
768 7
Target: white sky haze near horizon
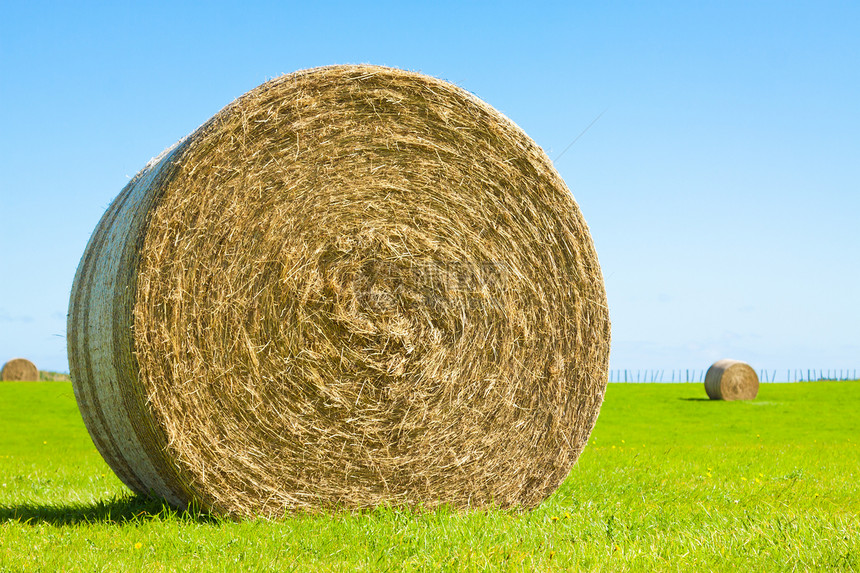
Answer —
721 183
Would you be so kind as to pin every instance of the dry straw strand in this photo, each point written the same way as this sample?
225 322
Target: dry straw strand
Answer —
731 380
353 286
19 369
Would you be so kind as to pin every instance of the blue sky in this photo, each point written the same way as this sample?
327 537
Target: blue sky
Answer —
721 184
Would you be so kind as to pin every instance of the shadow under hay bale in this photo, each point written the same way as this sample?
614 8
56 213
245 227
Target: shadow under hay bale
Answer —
19 369
353 286
731 380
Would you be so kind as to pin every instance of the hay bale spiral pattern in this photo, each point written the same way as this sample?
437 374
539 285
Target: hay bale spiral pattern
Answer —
353 286
731 380
19 369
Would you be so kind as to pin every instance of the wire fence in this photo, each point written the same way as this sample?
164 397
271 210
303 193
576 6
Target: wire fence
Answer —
694 375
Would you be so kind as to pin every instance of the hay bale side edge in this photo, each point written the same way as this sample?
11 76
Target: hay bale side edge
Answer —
104 375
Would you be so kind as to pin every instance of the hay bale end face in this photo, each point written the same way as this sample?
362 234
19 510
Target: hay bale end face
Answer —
353 286
19 369
731 380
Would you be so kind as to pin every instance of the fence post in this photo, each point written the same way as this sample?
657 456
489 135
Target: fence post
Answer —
688 375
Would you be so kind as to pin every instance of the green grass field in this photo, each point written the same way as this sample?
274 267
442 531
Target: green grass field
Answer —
670 481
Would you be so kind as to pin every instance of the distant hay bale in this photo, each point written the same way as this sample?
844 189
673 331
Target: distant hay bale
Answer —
19 369
353 286
731 380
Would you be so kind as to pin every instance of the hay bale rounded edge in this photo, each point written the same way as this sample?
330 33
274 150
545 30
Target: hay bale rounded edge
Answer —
353 286
19 369
731 380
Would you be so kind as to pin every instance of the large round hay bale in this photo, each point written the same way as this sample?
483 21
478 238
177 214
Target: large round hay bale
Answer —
19 369
353 286
731 380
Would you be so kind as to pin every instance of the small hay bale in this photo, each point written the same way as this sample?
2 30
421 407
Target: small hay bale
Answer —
731 380
353 286
19 369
